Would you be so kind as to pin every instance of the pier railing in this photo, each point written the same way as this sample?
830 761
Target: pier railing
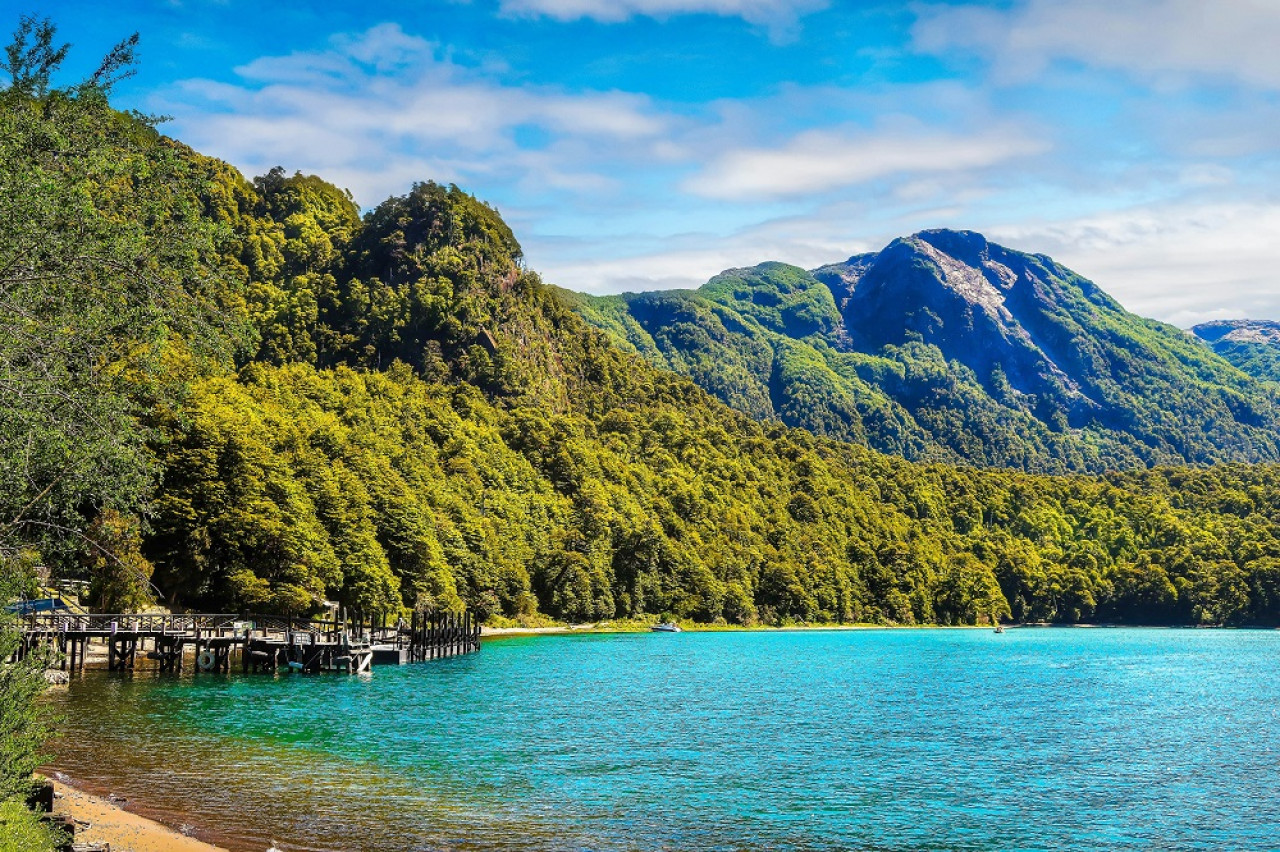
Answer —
360 641
108 623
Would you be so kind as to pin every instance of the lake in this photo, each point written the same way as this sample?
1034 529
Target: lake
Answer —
825 740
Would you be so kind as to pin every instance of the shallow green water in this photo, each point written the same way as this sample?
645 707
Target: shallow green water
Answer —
886 740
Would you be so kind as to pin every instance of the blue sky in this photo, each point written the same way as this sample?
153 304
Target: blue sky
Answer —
639 144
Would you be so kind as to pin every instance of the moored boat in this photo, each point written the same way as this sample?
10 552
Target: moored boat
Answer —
666 627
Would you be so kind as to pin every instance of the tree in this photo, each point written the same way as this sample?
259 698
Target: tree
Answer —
105 262
119 574
31 57
23 726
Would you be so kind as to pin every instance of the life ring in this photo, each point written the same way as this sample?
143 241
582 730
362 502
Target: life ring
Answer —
205 660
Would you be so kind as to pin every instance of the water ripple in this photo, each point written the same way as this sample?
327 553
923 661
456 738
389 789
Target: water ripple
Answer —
878 740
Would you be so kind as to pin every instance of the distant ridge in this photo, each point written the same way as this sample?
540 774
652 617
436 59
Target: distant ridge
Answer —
946 346
1251 345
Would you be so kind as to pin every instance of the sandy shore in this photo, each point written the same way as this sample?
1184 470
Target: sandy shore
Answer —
126 832
516 631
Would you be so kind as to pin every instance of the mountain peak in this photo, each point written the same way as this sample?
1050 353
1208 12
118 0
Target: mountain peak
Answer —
978 302
777 295
964 264
969 246
1239 331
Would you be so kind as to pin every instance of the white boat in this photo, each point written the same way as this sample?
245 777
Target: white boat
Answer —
999 628
666 627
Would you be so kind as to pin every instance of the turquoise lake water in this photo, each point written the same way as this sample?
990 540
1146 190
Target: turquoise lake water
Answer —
877 740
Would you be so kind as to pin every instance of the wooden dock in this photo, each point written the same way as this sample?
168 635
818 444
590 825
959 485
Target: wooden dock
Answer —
261 643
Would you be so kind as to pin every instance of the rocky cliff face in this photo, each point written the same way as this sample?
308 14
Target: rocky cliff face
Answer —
1239 331
1020 322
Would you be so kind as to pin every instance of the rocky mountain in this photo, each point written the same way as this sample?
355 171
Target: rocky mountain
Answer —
946 346
1251 345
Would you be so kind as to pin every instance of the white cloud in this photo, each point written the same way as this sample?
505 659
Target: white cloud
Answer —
375 104
817 161
1160 40
1180 263
777 16
822 235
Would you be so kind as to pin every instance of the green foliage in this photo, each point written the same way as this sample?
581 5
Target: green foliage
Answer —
120 577
23 726
104 258
21 831
31 58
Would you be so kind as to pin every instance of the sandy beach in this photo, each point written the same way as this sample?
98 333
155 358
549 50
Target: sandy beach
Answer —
125 831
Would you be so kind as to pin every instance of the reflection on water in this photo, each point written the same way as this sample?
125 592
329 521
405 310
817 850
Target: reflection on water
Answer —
1035 739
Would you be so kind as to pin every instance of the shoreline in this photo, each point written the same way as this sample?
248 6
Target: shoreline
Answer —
692 627
125 830
609 627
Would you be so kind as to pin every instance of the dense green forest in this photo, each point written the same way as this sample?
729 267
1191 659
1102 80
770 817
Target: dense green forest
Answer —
946 347
239 394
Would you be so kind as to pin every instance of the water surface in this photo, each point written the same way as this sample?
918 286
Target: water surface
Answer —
879 740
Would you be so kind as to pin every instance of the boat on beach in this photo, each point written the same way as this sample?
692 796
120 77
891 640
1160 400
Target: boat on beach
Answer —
666 627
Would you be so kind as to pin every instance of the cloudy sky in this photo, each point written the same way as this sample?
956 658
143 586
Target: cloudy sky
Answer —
641 144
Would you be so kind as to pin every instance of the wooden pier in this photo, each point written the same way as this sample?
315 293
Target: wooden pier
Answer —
262 643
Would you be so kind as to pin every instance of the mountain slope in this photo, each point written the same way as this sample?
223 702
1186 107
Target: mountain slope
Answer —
425 424
418 422
945 346
1251 345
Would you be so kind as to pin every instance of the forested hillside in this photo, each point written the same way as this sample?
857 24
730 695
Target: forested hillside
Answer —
947 347
1251 345
391 411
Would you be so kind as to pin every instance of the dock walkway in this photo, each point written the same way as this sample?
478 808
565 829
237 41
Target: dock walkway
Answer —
261 643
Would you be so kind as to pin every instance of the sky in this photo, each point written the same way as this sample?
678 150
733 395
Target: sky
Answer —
649 144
